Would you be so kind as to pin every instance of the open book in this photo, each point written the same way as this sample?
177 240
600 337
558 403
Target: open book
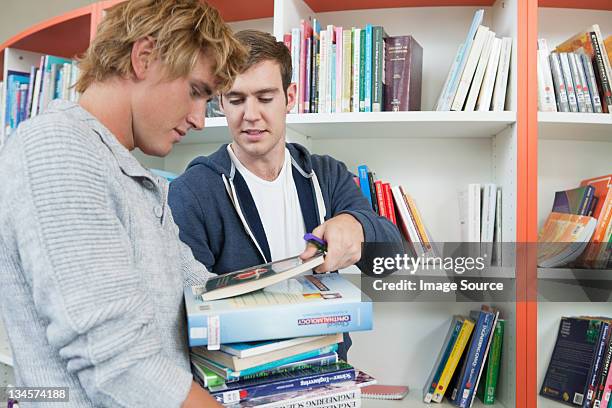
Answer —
257 277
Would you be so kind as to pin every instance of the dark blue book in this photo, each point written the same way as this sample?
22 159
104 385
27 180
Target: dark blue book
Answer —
595 370
474 361
570 363
233 393
574 201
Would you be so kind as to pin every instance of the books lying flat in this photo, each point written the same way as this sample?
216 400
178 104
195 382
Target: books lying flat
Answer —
385 392
306 306
320 357
275 384
237 363
257 277
563 238
255 348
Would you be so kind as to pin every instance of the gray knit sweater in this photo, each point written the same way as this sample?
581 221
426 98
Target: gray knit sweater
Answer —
91 266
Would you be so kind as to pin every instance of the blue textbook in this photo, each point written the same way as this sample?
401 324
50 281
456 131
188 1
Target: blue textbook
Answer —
309 305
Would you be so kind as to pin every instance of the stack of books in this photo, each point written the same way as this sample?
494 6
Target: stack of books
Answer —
468 361
29 93
478 78
340 69
579 369
577 76
259 338
578 231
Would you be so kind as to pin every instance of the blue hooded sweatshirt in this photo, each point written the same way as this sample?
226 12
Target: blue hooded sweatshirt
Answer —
217 217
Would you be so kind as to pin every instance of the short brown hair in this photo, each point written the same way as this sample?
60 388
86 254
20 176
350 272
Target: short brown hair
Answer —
182 29
262 46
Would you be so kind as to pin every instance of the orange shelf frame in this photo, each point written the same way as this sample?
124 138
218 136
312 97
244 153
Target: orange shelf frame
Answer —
578 4
320 6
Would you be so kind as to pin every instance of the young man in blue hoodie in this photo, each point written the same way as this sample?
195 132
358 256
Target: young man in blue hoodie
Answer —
252 201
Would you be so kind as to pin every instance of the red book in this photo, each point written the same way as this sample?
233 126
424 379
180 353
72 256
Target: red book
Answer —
389 203
382 206
287 40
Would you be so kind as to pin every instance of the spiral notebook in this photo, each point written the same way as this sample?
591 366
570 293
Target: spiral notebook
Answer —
385 392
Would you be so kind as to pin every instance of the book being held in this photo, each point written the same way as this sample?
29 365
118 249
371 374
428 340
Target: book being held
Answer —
257 277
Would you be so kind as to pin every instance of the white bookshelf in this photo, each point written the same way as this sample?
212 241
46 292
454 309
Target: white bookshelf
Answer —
586 127
413 399
5 350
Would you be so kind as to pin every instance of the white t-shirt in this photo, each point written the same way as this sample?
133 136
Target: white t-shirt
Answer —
279 208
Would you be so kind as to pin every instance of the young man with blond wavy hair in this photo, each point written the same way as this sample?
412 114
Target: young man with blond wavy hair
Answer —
91 266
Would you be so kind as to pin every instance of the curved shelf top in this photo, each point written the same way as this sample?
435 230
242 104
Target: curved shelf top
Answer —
578 4
321 6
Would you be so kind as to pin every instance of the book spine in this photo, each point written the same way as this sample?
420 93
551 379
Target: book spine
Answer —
331 97
580 99
340 55
364 183
289 384
295 63
314 85
501 83
453 360
389 202
373 198
420 226
475 360
440 104
592 83
380 198
319 361
584 82
596 365
377 67
347 53
330 73
343 398
284 361
356 37
569 82
362 69
606 61
494 361
368 68
301 68
560 88
486 91
601 382
604 79
546 94
308 74
470 67
438 367
607 392
470 103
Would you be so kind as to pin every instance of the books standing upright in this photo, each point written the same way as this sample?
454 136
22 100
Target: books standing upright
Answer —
403 73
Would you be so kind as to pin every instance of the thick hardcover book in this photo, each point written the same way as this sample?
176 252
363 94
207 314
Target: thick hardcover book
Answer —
205 376
479 347
572 356
596 367
256 277
296 380
574 201
276 356
309 305
403 74
487 388
443 355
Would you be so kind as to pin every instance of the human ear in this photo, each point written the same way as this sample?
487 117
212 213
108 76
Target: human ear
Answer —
141 57
291 96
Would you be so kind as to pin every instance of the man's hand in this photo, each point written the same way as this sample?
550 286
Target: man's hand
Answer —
344 235
199 398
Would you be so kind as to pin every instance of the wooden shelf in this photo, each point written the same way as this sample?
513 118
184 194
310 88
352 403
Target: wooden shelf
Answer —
595 127
577 4
5 350
321 6
377 125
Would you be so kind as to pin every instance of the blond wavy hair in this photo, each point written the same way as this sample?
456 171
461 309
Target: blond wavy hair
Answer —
182 29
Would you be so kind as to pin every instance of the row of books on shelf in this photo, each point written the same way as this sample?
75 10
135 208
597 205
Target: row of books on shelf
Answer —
480 212
478 77
579 372
468 362
339 69
577 75
578 232
277 346
29 93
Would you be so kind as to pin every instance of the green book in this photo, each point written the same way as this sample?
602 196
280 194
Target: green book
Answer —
488 386
362 71
207 377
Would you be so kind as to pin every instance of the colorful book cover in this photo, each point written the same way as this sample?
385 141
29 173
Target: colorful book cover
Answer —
560 383
306 306
368 69
573 201
362 69
364 182
232 393
487 389
605 370
475 357
596 367
445 351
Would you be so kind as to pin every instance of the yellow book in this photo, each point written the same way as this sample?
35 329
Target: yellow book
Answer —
608 45
453 359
